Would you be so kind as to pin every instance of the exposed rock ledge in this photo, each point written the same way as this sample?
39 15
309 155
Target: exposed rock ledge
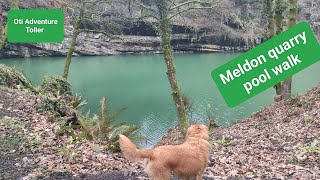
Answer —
89 44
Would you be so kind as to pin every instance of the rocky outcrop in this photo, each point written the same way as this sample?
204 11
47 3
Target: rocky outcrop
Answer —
89 44
136 37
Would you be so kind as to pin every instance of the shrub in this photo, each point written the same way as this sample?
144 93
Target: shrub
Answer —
224 141
312 148
77 101
56 85
101 128
57 97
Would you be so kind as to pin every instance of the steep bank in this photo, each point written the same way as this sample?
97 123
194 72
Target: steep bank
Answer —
30 149
282 141
277 142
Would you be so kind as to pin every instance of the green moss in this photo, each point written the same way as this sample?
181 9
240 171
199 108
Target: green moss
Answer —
57 97
56 85
13 78
11 134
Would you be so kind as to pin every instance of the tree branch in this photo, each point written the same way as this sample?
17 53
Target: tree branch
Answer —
189 9
186 3
172 4
143 5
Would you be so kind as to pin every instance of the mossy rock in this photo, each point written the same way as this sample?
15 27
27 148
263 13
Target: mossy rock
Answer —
13 78
56 85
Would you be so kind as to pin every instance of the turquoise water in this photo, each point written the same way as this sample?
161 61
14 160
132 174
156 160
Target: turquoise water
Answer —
139 83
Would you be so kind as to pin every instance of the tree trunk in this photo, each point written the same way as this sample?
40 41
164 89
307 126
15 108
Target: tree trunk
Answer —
171 73
269 12
287 84
73 44
166 36
4 29
279 9
278 88
1 29
72 48
286 88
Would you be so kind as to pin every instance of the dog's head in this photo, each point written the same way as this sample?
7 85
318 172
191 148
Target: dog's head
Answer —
198 131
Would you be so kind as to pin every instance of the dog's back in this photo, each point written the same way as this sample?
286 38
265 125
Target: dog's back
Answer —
186 160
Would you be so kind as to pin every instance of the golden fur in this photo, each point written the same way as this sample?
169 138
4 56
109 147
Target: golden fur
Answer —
186 160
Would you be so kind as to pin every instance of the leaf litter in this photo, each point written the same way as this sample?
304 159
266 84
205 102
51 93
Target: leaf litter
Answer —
267 145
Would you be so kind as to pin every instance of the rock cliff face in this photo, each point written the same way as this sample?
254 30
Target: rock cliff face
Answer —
135 37
89 44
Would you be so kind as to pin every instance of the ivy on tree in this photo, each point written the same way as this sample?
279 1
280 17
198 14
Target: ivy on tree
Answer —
163 12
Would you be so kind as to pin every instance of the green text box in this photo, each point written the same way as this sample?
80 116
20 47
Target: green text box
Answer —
259 69
35 26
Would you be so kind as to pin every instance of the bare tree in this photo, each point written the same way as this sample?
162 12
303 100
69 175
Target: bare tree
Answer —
279 9
276 24
268 11
163 12
287 84
4 28
81 13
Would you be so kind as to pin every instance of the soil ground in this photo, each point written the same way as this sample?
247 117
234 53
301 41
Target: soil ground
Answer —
279 142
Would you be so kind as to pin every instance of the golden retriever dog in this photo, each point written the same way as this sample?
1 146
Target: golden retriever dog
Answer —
186 160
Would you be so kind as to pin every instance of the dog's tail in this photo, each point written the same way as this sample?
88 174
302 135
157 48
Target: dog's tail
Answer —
130 150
